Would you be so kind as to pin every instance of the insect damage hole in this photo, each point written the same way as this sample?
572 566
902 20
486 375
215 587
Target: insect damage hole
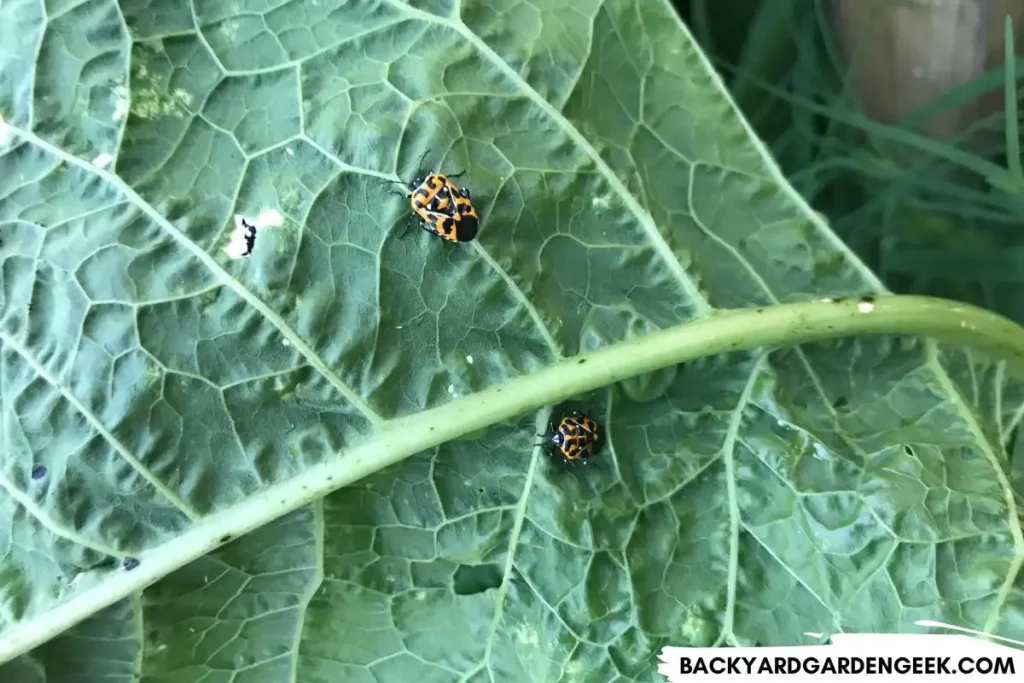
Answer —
243 238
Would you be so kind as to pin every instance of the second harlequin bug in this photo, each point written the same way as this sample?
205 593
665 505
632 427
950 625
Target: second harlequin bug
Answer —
442 208
576 437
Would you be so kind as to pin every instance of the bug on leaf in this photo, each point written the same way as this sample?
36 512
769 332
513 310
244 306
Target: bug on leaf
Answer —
576 437
441 207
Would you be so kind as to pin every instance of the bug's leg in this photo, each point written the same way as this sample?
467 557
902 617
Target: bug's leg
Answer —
465 192
456 175
426 226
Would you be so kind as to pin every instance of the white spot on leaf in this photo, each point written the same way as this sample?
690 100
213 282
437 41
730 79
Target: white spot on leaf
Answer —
865 306
469 359
5 131
285 342
102 160
270 218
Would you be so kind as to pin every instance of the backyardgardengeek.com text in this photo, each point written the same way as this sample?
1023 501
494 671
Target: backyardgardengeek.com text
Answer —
749 665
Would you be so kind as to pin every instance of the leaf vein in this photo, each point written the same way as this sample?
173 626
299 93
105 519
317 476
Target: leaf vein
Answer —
211 264
661 245
728 452
31 508
314 586
513 539
101 429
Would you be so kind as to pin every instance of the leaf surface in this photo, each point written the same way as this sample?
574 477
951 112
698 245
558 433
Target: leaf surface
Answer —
851 486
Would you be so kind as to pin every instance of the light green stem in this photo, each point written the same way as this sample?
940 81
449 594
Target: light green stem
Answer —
743 329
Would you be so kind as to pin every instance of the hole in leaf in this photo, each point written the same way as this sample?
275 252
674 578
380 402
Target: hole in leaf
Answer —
471 579
908 450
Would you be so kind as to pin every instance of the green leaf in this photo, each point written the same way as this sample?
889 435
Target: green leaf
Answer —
178 398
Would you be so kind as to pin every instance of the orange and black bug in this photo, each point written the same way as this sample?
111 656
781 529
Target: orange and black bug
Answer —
577 437
443 209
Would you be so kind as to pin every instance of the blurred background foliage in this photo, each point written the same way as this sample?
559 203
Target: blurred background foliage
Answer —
889 116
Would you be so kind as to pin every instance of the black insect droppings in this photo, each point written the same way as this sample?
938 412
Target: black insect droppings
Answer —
225 538
866 300
908 450
130 563
839 402
839 300
39 472
581 361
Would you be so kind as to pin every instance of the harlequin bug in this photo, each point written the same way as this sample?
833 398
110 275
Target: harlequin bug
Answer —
443 209
576 437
